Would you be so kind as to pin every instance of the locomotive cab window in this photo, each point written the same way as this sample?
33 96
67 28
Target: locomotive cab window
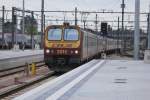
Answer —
55 34
71 34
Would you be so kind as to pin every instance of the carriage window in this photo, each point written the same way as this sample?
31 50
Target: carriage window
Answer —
54 34
71 34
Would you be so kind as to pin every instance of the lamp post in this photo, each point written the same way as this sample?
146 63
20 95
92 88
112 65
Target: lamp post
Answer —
23 21
123 34
148 29
137 30
3 21
42 22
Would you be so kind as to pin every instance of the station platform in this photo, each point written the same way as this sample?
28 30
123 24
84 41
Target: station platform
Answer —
20 53
97 80
11 59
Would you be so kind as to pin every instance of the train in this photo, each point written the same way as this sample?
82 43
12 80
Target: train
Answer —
67 46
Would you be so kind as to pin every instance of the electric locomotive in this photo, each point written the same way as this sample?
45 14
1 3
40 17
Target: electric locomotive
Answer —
62 48
67 46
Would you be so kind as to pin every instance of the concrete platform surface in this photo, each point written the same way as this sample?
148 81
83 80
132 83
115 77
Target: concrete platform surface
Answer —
12 59
20 53
98 80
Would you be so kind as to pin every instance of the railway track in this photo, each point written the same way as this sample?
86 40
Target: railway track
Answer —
11 71
24 85
4 74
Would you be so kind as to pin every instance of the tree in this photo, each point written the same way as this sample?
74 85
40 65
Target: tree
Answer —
31 28
8 27
31 25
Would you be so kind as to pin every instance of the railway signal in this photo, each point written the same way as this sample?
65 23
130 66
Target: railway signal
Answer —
104 28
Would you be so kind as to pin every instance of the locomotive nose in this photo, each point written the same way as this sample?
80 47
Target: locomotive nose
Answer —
60 61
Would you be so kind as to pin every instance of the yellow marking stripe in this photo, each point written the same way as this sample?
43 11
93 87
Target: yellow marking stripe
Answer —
62 44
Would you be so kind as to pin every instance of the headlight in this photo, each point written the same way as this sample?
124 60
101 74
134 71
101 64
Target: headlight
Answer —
76 52
47 51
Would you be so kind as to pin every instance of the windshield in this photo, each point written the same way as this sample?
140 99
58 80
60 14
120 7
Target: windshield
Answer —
71 34
54 34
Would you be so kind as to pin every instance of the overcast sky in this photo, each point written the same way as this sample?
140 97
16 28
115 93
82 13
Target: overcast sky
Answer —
81 4
88 5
